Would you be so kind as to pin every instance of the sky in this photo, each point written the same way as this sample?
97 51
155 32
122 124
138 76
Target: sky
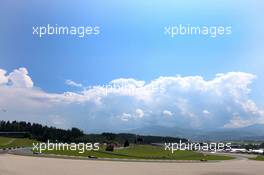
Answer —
192 81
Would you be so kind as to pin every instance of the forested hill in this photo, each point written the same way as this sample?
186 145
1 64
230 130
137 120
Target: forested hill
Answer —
44 133
39 132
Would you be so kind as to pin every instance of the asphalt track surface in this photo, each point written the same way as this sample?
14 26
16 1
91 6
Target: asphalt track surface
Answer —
29 165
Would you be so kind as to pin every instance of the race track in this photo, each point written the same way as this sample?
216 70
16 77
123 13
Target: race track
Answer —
27 165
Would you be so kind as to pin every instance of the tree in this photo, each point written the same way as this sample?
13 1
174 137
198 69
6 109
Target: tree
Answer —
110 147
139 140
40 132
75 133
126 144
109 136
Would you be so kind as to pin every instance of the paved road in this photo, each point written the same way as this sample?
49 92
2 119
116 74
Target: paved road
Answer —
26 165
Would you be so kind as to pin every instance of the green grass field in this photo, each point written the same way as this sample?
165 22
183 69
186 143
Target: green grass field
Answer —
6 142
260 158
144 152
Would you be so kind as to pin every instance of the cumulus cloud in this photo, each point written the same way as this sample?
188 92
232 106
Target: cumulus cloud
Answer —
19 78
3 77
130 103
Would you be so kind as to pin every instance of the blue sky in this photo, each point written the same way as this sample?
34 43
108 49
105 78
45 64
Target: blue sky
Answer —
132 43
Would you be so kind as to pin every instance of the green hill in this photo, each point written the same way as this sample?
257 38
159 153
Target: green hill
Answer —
8 142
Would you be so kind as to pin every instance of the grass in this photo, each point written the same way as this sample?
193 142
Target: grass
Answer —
260 158
7 142
144 152
132 152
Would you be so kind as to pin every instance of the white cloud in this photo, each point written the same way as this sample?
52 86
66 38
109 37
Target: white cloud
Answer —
125 117
137 102
127 82
206 112
167 113
72 83
57 121
139 113
237 122
19 78
3 77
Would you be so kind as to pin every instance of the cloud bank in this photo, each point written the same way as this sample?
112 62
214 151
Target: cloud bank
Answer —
123 104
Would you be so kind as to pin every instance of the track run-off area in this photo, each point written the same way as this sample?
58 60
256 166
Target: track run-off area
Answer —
30 165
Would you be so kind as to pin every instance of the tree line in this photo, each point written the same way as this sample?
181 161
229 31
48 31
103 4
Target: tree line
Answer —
44 133
39 132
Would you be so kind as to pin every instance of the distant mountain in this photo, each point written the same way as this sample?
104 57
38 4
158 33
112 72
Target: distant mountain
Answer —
257 129
169 131
254 133
159 131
